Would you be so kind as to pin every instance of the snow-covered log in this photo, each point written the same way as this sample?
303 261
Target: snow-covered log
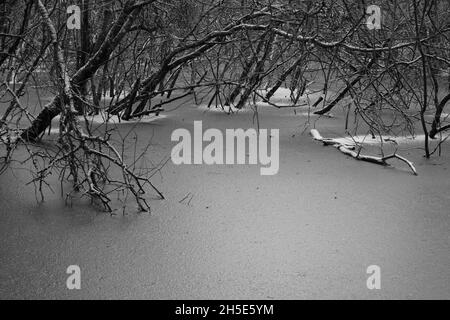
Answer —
350 151
330 142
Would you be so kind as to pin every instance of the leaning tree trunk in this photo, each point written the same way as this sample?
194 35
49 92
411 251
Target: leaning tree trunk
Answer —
43 120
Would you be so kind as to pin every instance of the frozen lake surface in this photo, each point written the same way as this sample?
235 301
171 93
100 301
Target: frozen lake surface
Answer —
309 232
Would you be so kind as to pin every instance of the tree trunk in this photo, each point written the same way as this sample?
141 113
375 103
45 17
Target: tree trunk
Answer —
43 120
101 56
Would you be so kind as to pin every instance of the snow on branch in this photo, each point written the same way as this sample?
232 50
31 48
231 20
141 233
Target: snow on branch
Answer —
349 149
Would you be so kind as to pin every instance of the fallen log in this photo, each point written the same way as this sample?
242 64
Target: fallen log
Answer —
330 142
349 150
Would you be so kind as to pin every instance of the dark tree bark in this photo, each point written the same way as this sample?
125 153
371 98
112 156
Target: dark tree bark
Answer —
5 22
